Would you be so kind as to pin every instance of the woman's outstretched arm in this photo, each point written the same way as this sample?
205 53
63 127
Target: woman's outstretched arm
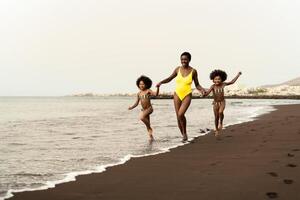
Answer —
233 80
154 93
197 85
167 80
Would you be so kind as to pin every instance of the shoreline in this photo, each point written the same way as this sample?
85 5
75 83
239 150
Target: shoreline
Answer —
71 176
71 187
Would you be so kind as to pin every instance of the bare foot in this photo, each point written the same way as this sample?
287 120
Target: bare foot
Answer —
216 133
150 131
220 127
184 138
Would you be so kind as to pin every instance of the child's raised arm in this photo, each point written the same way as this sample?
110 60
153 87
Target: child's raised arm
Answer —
136 103
233 80
207 92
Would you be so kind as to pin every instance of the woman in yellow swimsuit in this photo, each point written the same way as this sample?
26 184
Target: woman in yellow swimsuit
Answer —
185 75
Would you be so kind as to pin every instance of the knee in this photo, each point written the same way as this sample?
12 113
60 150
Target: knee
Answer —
221 113
180 116
142 117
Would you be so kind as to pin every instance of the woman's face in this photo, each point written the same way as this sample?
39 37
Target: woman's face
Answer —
184 61
142 85
217 80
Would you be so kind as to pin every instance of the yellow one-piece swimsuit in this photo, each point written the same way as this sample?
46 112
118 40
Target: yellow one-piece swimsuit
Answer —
183 84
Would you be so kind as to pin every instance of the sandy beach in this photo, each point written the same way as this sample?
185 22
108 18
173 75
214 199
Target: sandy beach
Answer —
253 160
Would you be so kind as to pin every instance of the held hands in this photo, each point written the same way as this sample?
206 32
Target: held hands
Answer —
158 84
202 91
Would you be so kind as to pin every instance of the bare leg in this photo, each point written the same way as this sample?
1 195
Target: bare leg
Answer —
145 117
216 113
221 115
183 108
150 130
177 104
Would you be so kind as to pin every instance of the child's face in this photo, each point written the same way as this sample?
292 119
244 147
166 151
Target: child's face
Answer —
142 85
184 61
217 80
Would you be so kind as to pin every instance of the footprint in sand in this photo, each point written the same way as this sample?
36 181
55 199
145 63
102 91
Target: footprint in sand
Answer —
290 155
295 149
288 181
272 195
291 165
215 163
273 174
228 136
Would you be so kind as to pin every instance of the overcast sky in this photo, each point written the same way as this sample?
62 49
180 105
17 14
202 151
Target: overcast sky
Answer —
61 47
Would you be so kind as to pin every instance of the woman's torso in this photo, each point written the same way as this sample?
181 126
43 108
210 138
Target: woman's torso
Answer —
184 80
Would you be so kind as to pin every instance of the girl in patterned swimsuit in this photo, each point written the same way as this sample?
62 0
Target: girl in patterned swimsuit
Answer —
144 84
218 77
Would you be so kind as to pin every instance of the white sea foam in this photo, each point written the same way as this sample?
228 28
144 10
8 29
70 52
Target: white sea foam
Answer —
99 169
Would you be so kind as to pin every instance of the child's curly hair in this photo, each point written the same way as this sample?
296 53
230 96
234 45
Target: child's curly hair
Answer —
218 72
146 80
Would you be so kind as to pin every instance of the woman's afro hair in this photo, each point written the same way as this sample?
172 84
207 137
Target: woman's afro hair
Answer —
218 72
146 80
187 54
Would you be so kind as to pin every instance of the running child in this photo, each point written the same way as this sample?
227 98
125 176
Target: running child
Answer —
219 77
143 96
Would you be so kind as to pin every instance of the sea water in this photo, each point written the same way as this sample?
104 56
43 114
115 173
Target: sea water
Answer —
49 140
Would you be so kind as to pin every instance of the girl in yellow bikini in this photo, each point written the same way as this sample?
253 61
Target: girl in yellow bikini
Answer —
185 75
144 84
218 77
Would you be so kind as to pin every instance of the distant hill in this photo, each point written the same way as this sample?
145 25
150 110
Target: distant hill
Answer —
293 82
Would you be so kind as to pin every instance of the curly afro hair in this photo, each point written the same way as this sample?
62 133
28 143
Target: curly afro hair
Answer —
146 80
218 72
187 54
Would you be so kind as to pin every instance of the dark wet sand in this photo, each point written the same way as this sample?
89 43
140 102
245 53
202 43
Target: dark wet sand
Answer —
253 160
